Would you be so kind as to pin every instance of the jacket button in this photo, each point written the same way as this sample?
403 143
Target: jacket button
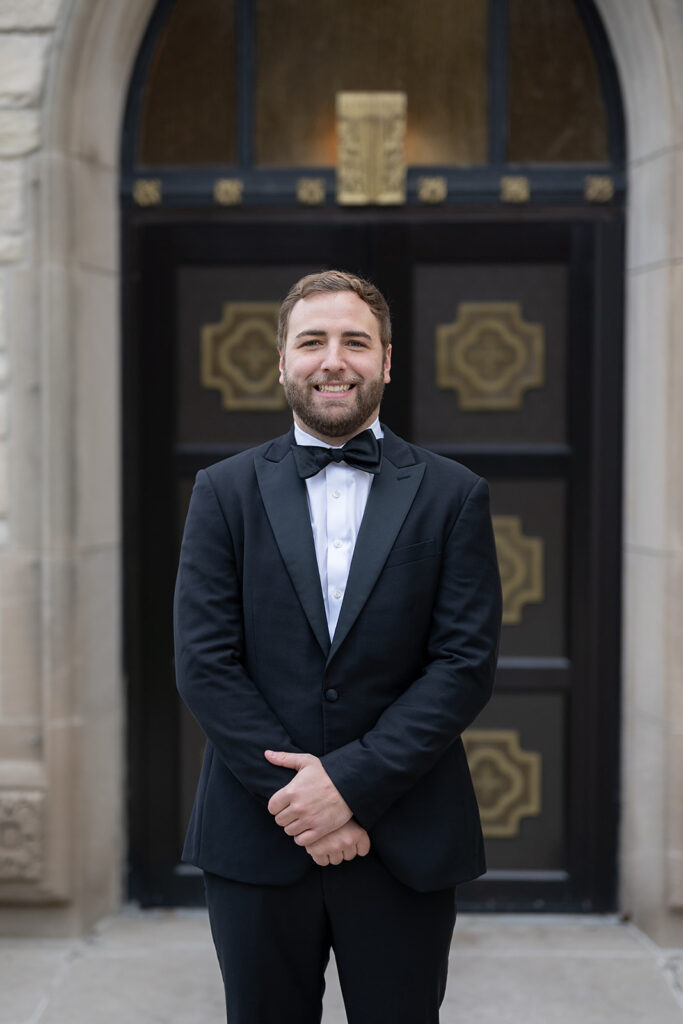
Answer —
331 695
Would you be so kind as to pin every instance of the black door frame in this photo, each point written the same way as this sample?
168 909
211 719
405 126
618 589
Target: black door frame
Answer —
592 240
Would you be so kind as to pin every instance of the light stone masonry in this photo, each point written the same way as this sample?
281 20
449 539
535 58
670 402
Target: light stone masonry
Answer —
12 212
23 63
19 132
11 248
27 14
3 479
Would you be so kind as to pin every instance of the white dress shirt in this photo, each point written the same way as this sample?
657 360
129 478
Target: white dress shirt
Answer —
337 496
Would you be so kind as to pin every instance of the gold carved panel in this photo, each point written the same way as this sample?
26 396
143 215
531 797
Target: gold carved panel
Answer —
507 780
521 563
371 129
432 189
490 355
147 191
22 815
598 188
228 191
515 188
310 191
239 357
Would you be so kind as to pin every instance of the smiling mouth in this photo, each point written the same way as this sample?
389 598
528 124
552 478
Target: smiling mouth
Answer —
334 389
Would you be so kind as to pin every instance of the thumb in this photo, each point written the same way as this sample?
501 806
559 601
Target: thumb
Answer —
287 760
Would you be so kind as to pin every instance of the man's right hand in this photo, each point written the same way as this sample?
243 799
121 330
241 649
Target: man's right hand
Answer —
349 841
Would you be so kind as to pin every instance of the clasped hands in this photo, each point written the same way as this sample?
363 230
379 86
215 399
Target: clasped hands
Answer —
312 810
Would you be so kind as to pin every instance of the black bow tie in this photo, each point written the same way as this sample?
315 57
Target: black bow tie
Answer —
363 451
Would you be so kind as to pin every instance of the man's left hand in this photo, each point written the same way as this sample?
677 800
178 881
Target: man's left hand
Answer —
310 806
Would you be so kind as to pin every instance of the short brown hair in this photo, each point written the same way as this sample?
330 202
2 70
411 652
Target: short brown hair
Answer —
335 281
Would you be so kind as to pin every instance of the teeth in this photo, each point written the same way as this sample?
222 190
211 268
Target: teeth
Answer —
333 387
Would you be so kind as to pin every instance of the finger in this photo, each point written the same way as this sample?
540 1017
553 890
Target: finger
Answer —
336 858
363 845
287 760
285 817
295 828
279 801
309 836
321 859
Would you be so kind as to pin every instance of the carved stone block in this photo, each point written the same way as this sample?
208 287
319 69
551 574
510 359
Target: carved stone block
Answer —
21 835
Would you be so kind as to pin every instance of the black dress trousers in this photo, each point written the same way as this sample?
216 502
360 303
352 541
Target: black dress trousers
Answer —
273 942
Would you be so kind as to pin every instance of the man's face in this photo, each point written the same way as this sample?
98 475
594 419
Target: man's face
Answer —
333 367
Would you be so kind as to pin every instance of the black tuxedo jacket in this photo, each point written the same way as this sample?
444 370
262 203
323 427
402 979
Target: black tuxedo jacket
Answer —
383 705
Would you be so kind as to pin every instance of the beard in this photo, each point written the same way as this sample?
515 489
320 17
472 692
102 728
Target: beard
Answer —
343 421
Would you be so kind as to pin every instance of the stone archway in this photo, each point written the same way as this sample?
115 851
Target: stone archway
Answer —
647 43
66 494
65 468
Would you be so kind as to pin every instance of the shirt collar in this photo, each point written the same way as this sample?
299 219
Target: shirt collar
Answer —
301 437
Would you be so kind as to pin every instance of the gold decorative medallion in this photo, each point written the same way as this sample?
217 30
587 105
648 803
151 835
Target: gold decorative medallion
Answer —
239 357
521 563
21 835
228 191
515 188
147 191
371 128
490 355
598 188
432 190
507 780
310 191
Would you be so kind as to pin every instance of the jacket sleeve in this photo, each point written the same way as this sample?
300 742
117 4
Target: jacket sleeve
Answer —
414 731
209 642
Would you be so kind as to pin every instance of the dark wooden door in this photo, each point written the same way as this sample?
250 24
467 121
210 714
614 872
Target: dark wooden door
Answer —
506 357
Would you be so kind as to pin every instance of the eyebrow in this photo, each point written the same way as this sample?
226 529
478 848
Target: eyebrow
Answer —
323 334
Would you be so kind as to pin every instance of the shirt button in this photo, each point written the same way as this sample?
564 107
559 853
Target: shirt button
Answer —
331 695
336 494
337 594
338 543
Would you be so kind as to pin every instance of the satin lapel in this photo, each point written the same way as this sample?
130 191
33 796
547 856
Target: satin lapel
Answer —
391 495
284 497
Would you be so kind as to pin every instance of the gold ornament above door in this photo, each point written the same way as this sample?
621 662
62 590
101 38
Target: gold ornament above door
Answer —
371 130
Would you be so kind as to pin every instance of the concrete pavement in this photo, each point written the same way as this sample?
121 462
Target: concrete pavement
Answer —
159 968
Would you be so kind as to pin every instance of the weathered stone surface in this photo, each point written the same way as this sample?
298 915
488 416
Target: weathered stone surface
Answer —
11 195
18 14
3 322
11 248
19 132
22 68
3 478
4 414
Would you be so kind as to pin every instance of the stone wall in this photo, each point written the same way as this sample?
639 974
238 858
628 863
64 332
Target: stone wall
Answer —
34 806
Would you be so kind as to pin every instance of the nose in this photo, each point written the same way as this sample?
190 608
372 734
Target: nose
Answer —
334 357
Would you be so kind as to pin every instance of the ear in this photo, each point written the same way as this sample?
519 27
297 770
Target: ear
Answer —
281 365
387 365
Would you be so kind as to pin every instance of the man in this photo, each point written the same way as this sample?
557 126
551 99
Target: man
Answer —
337 618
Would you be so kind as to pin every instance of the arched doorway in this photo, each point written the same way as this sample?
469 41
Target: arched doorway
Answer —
503 267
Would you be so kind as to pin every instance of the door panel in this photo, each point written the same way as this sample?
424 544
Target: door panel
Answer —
497 342
493 387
